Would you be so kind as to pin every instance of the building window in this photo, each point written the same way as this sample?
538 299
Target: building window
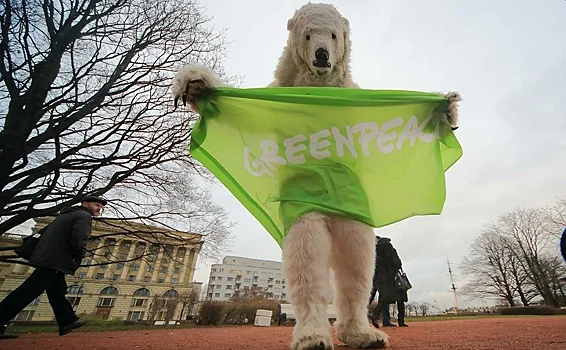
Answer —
171 293
106 302
115 277
177 270
217 295
136 315
142 292
109 290
82 275
123 256
164 269
227 295
220 278
213 278
25 315
147 278
149 269
139 302
119 266
74 301
174 280
218 286
131 278
99 276
228 287
213 270
161 280
75 289
230 278
135 267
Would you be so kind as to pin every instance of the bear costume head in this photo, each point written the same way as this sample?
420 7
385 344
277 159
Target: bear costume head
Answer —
318 49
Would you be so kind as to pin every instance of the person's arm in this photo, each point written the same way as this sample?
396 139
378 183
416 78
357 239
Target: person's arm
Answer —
82 229
395 260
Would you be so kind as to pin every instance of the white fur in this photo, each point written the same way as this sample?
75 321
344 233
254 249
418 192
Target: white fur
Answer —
316 241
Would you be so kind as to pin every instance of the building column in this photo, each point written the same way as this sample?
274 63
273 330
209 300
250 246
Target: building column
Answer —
186 264
92 269
191 263
157 265
171 266
141 271
115 255
125 270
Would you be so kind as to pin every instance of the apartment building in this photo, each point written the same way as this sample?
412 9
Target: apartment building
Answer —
237 274
126 289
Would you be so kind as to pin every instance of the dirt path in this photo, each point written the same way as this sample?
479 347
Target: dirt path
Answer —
496 333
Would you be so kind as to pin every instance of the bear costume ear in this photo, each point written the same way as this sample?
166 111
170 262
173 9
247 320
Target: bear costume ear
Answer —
290 23
346 22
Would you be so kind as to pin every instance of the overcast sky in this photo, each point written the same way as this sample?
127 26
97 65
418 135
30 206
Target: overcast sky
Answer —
508 60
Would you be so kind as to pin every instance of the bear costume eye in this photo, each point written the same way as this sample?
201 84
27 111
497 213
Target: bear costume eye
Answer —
308 37
333 36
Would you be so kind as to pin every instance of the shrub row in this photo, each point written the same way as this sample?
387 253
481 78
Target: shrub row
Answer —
223 312
531 310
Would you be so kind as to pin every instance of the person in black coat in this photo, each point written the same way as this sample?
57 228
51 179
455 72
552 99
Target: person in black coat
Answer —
59 252
387 264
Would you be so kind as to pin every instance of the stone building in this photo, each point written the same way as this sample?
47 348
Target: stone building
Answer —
141 270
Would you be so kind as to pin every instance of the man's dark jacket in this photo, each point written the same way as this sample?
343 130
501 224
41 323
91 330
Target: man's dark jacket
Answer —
387 263
63 243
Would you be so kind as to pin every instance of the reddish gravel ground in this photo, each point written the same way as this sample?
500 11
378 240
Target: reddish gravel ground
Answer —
489 333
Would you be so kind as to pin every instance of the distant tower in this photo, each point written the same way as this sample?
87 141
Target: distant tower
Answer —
456 303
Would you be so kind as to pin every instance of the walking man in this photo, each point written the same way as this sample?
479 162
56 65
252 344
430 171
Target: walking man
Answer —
60 250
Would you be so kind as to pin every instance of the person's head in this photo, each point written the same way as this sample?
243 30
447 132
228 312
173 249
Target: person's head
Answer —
94 204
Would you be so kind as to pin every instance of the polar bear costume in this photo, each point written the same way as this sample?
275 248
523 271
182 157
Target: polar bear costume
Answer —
318 54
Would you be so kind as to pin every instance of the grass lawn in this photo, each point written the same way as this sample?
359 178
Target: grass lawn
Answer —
104 326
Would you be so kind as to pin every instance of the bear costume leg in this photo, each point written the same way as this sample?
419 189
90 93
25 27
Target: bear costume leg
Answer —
306 256
353 261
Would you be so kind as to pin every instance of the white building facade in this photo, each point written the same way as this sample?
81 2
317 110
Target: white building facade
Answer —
237 274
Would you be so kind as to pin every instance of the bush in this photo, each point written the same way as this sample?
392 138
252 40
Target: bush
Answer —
236 312
530 310
211 313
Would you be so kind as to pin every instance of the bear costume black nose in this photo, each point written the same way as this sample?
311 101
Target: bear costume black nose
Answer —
321 55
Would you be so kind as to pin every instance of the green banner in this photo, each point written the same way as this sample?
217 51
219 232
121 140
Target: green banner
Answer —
377 156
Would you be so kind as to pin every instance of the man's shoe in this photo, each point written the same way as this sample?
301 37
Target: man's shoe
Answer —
68 328
403 325
4 335
390 324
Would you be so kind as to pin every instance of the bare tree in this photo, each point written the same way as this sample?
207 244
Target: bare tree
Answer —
515 258
525 227
555 217
187 301
494 269
252 293
412 307
85 109
156 306
424 308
